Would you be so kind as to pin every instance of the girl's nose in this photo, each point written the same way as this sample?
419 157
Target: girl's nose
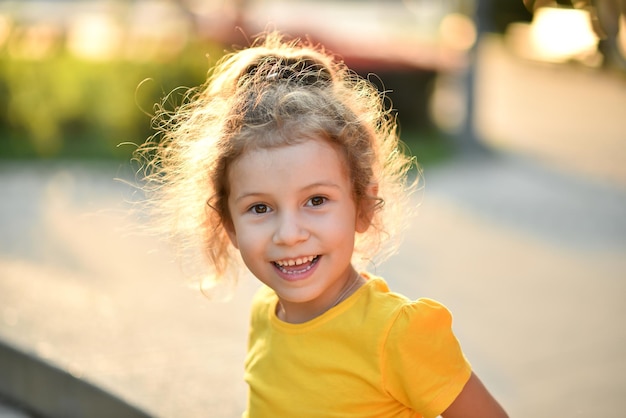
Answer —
290 230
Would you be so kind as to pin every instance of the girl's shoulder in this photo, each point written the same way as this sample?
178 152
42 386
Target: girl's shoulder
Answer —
424 307
403 316
421 360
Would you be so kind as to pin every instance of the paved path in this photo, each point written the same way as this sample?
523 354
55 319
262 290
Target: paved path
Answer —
528 254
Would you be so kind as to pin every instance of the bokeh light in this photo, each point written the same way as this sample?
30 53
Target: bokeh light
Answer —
558 34
94 36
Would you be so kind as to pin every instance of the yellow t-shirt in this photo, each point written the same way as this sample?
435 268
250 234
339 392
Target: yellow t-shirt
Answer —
376 354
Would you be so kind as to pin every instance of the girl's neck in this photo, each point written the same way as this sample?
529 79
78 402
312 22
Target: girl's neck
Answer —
298 313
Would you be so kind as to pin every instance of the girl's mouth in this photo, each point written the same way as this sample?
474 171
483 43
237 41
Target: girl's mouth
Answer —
298 265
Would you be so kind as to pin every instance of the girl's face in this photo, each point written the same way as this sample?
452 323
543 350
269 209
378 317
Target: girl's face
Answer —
294 221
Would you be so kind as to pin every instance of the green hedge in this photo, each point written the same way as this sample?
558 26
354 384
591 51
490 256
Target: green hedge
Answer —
67 107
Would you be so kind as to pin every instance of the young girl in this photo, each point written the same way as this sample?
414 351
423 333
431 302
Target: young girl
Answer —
287 160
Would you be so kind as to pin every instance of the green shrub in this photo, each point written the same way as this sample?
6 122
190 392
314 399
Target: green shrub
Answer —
67 107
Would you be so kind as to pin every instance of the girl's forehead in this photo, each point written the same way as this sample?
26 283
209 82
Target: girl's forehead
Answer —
288 175
313 154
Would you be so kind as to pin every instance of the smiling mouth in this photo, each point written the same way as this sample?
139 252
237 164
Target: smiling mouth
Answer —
296 266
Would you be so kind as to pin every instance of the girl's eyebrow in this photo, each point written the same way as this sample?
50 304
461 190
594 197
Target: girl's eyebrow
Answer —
249 194
304 189
321 184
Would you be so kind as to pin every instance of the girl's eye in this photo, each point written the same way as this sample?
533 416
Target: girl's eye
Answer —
259 209
317 201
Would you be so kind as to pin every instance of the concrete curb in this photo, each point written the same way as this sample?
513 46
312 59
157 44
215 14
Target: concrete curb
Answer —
50 392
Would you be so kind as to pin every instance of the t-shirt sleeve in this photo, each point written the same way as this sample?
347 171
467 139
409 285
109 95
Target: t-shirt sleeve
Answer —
423 365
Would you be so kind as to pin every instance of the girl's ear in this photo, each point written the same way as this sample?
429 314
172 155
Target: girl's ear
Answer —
230 231
367 208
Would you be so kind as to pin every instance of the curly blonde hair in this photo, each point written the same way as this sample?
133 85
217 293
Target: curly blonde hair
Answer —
273 93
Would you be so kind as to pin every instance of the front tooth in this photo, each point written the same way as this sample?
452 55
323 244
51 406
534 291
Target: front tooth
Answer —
296 262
